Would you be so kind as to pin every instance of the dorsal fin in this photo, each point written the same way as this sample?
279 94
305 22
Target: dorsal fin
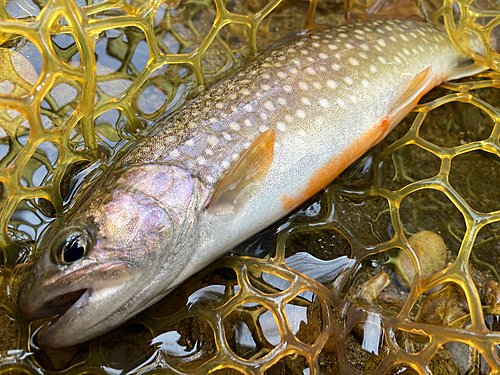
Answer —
250 170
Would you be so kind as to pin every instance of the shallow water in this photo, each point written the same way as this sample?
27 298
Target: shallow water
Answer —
317 292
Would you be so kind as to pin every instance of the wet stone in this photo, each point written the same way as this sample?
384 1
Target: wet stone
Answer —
127 347
324 244
365 218
187 344
430 250
51 359
411 342
305 317
455 124
432 210
328 359
251 331
268 283
291 364
210 289
375 285
365 344
406 165
442 307
444 364
9 330
476 177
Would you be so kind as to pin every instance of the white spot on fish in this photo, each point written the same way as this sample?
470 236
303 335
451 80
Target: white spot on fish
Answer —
393 38
213 140
324 103
382 42
281 126
363 55
288 89
201 160
190 142
300 113
405 38
305 100
343 35
245 91
317 85
365 83
348 80
335 67
303 86
263 116
248 108
234 126
382 59
341 103
247 122
323 56
353 61
333 47
353 99
332 84
263 128
311 71
281 100
227 136
269 106
209 152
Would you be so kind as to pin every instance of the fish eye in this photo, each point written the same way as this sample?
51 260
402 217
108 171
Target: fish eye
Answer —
73 248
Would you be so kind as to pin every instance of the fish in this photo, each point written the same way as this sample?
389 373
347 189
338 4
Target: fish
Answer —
232 161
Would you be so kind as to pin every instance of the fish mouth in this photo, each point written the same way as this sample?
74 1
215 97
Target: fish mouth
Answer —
58 305
58 293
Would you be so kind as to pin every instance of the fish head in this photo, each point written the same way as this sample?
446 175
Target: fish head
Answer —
99 265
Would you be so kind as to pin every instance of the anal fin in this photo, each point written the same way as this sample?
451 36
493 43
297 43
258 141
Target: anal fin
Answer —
466 71
247 173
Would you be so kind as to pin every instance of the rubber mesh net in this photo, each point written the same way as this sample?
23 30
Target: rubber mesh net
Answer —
79 80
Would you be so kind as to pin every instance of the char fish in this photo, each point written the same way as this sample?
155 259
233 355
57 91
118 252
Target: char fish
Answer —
234 160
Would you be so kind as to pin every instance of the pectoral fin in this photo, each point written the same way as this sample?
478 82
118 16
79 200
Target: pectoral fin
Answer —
248 172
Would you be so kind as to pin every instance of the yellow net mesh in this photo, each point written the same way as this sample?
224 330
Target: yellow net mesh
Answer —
64 105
